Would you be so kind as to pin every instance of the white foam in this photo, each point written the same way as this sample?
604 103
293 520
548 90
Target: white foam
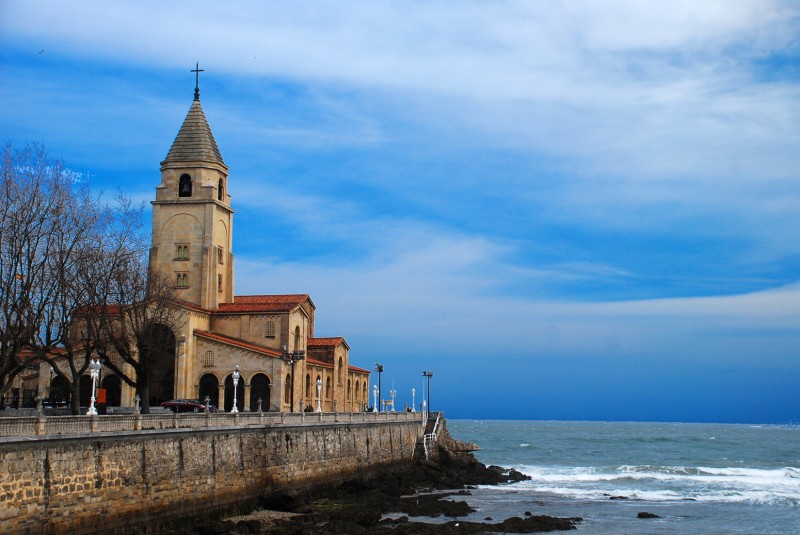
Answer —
660 483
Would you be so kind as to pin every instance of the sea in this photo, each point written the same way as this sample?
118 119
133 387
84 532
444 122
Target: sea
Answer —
697 478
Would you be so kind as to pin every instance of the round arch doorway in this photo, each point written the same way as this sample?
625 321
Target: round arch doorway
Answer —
259 389
209 386
113 387
158 350
60 392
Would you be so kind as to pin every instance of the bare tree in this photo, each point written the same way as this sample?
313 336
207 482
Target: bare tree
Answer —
75 281
46 216
133 315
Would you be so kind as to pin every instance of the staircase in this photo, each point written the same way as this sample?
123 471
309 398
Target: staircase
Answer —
428 439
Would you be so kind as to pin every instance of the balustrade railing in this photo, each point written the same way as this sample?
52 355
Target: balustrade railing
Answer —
74 425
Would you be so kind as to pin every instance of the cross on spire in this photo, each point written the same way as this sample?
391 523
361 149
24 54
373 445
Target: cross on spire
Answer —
197 70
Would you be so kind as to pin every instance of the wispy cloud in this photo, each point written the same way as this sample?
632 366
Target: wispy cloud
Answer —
553 182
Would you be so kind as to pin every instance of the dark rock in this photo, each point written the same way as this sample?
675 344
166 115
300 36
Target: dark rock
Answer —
645 514
528 513
356 507
618 498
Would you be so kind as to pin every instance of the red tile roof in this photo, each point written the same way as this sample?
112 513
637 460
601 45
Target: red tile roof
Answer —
357 369
315 362
238 343
264 303
327 342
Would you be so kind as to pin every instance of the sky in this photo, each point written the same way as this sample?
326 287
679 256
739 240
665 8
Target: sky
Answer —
565 210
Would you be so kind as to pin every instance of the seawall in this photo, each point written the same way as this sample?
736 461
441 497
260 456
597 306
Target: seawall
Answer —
126 482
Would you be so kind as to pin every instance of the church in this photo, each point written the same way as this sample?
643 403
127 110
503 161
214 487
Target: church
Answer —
266 342
270 338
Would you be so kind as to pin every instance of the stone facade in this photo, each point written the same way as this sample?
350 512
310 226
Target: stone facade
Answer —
126 482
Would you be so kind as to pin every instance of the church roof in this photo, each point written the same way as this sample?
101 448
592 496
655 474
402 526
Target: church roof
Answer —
357 369
326 342
194 142
315 362
264 303
238 343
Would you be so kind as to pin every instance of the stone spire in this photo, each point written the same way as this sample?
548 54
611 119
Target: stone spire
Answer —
194 142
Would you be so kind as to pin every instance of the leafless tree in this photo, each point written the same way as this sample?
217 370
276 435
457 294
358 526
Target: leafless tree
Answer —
46 216
133 312
74 279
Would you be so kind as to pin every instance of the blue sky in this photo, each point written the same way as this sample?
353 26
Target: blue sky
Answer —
566 210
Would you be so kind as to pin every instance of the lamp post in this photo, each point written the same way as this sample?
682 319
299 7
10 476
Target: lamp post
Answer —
94 371
375 398
291 358
413 402
428 374
235 383
392 394
379 369
319 392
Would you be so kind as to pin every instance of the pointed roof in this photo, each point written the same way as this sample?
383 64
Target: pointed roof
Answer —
194 142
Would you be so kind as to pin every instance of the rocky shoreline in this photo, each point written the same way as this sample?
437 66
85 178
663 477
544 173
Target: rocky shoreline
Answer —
384 506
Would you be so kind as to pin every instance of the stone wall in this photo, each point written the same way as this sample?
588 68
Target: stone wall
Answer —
122 482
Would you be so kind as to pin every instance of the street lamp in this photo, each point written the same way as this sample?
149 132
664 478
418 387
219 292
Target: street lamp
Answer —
291 358
235 383
319 392
379 369
375 398
428 374
94 371
413 402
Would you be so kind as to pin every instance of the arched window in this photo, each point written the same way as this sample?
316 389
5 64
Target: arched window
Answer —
308 386
328 388
220 193
287 389
181 252
297 338
185 186
219 283
349 392
341 371
358 393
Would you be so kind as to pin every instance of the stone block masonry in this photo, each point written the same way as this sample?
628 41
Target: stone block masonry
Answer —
129 482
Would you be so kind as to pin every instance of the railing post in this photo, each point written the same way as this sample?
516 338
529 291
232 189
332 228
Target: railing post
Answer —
40 419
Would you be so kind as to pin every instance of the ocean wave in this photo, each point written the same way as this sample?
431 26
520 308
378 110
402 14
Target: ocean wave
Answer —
659 483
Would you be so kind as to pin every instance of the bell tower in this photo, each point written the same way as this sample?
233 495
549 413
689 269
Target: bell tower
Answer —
192 215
